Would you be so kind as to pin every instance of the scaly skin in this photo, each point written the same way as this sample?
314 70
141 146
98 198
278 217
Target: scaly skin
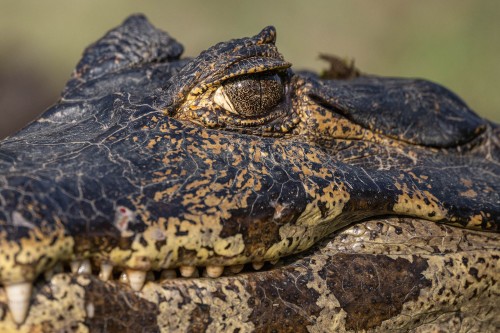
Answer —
146 164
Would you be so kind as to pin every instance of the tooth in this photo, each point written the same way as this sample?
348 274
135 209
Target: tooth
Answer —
257 265
124 278
214 271
85 267
235 269
136 278
74 265
187 271
18 296
168 274
275 261
90 308
106 270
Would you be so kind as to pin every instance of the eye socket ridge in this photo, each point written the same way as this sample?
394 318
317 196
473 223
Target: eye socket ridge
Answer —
251 95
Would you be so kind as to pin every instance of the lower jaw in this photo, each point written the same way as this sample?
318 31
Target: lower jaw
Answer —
388 274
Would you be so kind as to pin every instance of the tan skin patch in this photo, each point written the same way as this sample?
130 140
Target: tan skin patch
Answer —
419 203
469 194
476 221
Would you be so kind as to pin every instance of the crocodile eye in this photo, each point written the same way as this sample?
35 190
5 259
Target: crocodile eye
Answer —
250 96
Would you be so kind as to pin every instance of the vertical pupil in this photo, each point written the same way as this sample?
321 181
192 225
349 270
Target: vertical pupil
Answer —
254 96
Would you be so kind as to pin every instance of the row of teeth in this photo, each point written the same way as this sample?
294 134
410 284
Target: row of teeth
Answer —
19 294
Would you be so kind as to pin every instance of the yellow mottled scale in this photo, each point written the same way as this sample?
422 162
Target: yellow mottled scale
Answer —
476 221
24 259
312 224
297 237
419 203
204 243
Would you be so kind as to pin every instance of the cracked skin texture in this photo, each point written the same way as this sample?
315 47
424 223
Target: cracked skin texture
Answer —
381 196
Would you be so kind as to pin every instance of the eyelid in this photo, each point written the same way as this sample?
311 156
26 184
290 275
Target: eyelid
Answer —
246 66
254 66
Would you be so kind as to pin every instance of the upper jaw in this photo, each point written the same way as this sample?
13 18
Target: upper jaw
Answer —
146 209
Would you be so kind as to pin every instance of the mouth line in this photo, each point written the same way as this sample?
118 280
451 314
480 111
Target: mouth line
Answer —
106 272
135 279
128 280
18 297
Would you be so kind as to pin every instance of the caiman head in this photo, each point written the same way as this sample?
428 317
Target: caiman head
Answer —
152 166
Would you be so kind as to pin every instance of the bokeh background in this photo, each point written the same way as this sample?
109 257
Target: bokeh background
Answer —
453 42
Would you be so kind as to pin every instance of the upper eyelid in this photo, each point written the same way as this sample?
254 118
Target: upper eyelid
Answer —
245 67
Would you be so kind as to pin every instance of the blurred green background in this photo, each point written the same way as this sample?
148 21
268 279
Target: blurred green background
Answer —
455 43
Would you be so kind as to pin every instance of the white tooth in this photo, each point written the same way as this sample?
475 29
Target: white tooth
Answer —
136 279
214 271
85 267
235 269
74 265
168 274
18 296
257 265
106 270
275 261
124 278
187 271
90 310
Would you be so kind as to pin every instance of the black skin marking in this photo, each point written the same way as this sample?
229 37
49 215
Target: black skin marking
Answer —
372 289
